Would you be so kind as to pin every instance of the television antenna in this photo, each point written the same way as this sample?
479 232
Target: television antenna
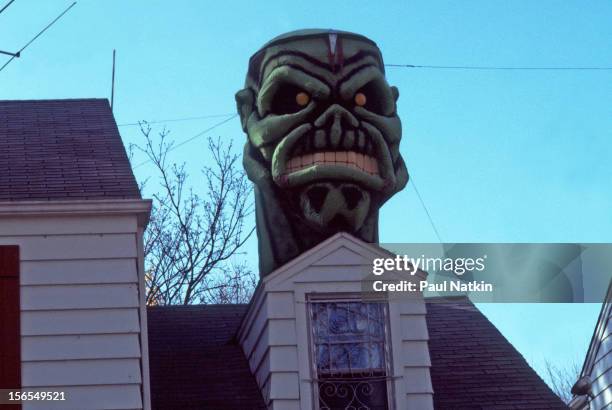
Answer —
113 82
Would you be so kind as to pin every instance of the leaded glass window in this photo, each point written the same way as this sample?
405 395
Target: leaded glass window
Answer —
350 354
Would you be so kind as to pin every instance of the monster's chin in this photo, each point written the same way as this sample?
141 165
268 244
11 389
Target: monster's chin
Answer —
333 206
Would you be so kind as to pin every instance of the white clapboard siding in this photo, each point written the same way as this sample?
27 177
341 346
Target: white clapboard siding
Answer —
284 358
80 304
415 353
63 225
90 271
80 372
54 247
608 330
79 322
72 347
79 296
112 397
602 371
605 347
600 358
603 398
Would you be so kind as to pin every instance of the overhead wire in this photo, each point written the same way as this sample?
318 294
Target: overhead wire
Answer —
202 117
431 222
1 10
199 134
468 67
38 35
6 6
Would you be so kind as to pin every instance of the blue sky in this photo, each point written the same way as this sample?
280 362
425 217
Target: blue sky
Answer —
498 156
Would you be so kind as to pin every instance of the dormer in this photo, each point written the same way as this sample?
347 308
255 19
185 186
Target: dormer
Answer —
315 340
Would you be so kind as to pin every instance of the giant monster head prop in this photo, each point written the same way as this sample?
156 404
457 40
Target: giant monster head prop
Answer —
323 140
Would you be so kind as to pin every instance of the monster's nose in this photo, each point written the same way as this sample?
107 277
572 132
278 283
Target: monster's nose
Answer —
333 121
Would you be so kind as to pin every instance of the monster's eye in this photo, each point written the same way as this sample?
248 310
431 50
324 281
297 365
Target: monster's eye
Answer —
289 99
302 99
375 97
360 99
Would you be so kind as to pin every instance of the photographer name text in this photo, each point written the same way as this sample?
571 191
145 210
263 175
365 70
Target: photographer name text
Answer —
423 285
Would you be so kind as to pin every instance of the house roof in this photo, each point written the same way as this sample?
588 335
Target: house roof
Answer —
62 150
473 366
196 362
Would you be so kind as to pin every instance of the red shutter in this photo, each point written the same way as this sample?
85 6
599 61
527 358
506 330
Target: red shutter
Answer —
10 341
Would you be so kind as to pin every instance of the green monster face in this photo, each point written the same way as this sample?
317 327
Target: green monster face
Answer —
323 140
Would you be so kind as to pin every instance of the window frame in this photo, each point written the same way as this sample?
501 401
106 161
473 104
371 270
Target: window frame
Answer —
388 351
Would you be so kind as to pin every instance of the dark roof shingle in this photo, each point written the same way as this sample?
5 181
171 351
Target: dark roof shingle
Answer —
473 366
62 150
196 363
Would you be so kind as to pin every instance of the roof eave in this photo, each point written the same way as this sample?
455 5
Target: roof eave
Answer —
80 207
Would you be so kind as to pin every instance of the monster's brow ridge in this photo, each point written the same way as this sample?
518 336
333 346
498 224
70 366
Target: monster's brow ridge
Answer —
308 73
348 75
363 54
358 56
290 53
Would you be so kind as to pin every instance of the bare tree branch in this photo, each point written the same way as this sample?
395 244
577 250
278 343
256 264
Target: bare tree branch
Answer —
561 379
192 242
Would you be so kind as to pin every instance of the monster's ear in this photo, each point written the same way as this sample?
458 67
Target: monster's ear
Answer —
245 102
395 92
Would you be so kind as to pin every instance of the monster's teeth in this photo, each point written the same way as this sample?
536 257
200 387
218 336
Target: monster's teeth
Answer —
365 163
361 140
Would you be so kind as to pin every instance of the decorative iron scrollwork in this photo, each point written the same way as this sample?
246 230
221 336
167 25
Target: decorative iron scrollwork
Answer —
353 393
